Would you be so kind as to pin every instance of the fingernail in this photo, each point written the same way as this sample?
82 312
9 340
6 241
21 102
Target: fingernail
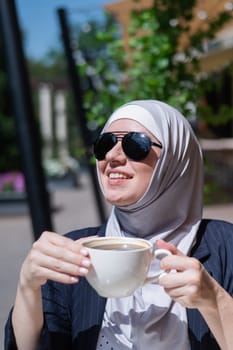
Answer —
84 252
86 263
74 279
83 270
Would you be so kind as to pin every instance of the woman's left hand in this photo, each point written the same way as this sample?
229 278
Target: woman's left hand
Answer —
191 286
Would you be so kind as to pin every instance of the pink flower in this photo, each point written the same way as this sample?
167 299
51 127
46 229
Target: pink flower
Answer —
12 181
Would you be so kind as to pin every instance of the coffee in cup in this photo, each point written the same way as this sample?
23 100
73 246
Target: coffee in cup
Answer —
120 265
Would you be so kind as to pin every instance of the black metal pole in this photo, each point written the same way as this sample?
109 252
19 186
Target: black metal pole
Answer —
78 100
26 126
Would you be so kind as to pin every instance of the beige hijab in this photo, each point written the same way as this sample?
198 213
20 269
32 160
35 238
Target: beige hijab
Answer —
170 209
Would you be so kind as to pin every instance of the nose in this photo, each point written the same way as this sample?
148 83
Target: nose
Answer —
116 154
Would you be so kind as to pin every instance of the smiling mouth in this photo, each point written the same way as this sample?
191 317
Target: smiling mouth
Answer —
118 176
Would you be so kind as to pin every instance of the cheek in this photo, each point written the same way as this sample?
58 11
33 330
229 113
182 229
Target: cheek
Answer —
144 181
101 169
143 177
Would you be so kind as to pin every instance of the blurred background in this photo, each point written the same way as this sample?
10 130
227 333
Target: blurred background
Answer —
64 67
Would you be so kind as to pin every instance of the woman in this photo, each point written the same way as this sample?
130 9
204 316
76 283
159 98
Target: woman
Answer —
150 168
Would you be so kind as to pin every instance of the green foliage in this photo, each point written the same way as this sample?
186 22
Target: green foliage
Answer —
218 114
103 71
221 117
154 67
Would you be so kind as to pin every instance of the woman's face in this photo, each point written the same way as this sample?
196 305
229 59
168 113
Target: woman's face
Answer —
123 180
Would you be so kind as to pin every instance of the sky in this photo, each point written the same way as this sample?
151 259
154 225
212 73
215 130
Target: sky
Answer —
39 21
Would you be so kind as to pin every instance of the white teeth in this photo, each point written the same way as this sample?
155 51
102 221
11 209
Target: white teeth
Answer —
117 176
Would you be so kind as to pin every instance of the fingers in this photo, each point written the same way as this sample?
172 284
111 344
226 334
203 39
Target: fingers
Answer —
39 276
165 245
184 288
180 263
74 267
185 276
55 257
62 250
185 283
59 241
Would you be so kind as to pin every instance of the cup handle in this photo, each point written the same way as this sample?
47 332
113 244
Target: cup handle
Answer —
157 254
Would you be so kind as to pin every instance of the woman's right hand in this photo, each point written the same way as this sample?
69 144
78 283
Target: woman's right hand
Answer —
54 257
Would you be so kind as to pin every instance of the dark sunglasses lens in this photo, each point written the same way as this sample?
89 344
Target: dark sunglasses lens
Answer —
136 145
103 144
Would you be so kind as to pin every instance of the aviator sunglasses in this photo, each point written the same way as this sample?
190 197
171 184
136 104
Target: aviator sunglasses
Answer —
135 145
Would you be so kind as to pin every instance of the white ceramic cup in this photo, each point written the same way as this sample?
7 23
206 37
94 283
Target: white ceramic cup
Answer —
119 265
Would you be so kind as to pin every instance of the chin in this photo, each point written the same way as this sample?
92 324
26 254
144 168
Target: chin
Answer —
119 198
119 202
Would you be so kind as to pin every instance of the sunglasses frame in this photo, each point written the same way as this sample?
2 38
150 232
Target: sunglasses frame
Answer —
124 135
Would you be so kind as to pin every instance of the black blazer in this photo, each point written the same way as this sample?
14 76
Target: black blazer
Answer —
74 313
